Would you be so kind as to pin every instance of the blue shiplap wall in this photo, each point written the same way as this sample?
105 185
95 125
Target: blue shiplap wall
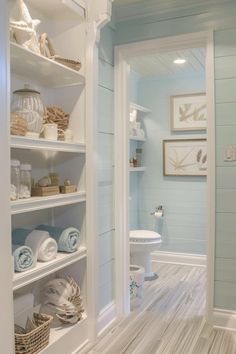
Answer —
185 221
106 140
222 20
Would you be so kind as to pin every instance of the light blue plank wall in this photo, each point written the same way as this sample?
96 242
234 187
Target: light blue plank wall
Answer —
222 20
184 225
106 161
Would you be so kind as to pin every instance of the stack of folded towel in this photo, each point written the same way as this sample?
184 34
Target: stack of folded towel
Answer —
67 239
41 245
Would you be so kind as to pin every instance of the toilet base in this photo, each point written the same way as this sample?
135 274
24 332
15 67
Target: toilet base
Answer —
144 259
150 277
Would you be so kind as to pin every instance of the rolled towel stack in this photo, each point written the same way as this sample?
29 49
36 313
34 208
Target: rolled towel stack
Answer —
67 239
44 247
23 258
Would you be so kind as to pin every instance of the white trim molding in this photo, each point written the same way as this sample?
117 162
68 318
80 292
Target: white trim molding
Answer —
224 319
106 317
179 258
121 111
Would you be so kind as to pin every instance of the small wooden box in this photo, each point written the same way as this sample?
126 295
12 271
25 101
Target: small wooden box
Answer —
44 191
68 189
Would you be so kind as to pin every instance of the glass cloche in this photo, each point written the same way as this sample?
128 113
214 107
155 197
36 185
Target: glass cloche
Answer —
27 103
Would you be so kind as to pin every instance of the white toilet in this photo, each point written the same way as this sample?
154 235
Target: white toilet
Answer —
142 243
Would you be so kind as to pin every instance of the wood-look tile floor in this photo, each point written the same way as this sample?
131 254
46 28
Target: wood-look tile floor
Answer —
170 319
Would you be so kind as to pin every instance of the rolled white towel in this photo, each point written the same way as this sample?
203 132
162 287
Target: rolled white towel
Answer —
43 246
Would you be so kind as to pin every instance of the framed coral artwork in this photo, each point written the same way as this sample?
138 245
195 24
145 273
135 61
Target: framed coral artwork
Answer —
185 157
188 112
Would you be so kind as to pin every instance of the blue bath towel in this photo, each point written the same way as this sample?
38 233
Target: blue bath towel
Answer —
19 236
23 258
67 239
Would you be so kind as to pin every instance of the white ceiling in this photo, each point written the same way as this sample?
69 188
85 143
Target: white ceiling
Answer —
131 9
162 63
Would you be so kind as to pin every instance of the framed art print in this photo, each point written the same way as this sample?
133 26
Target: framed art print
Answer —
188 112
185 157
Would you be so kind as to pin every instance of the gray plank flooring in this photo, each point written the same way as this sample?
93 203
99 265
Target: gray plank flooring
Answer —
170 319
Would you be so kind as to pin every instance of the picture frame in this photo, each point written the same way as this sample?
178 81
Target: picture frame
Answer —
189 112
185 157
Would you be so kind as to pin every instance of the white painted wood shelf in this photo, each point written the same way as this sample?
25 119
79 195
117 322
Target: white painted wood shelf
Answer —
63 339
137 169
21 142
43 269
45 71
139 108
136 138
39 203
61 9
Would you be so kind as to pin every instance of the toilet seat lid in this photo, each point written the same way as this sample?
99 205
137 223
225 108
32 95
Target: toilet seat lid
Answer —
144 236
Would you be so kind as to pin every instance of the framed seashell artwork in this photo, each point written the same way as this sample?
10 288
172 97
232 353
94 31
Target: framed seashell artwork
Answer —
188 112
185 157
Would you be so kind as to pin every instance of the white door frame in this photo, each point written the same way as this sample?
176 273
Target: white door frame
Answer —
122 54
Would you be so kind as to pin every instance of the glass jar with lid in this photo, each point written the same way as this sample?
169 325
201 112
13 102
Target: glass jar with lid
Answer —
27 103
15 179
25 181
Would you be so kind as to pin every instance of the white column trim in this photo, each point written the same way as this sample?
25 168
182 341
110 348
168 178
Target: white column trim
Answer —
224 319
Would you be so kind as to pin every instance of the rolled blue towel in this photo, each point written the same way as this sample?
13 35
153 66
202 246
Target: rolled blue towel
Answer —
67 239
23 258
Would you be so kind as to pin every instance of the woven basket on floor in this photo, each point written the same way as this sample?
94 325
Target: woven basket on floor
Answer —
34 341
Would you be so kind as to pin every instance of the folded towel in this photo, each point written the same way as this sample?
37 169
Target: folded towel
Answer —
23 258
23 306
67 239
43 246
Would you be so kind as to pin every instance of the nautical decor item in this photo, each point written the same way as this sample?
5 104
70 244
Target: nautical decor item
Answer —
61 299
24 28
27 104
47 50
56 115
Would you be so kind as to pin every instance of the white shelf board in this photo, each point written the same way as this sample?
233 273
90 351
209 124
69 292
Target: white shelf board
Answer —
137 169
136 138
65 339
45 268
21 142
58 9
49 73
139 108
39 203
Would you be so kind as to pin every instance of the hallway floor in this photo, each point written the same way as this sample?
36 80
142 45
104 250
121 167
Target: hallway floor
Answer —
170 319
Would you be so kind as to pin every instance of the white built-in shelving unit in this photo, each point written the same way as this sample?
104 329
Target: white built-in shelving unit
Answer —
65 23
136 141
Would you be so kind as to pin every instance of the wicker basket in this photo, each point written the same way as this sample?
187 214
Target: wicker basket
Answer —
34 341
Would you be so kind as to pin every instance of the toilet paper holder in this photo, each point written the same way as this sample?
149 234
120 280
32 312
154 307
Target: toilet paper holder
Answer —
158 209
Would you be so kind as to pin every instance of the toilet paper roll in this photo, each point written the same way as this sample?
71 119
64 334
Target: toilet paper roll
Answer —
158 214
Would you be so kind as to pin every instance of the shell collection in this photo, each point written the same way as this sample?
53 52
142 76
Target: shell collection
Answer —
61 299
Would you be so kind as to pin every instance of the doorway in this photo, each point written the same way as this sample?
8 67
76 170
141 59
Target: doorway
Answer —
123 57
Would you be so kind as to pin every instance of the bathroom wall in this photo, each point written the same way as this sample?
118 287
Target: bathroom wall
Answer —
184 198
105 155
221 19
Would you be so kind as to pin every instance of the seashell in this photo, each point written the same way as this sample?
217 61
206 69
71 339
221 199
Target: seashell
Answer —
44 181
25 29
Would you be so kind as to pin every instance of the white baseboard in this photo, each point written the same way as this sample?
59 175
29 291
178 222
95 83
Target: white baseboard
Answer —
224 319
179 258
106 317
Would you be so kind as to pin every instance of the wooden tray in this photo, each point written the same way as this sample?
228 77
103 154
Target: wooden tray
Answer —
68 189
44 191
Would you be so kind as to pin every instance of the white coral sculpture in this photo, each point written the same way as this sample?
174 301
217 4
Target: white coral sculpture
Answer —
24 29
